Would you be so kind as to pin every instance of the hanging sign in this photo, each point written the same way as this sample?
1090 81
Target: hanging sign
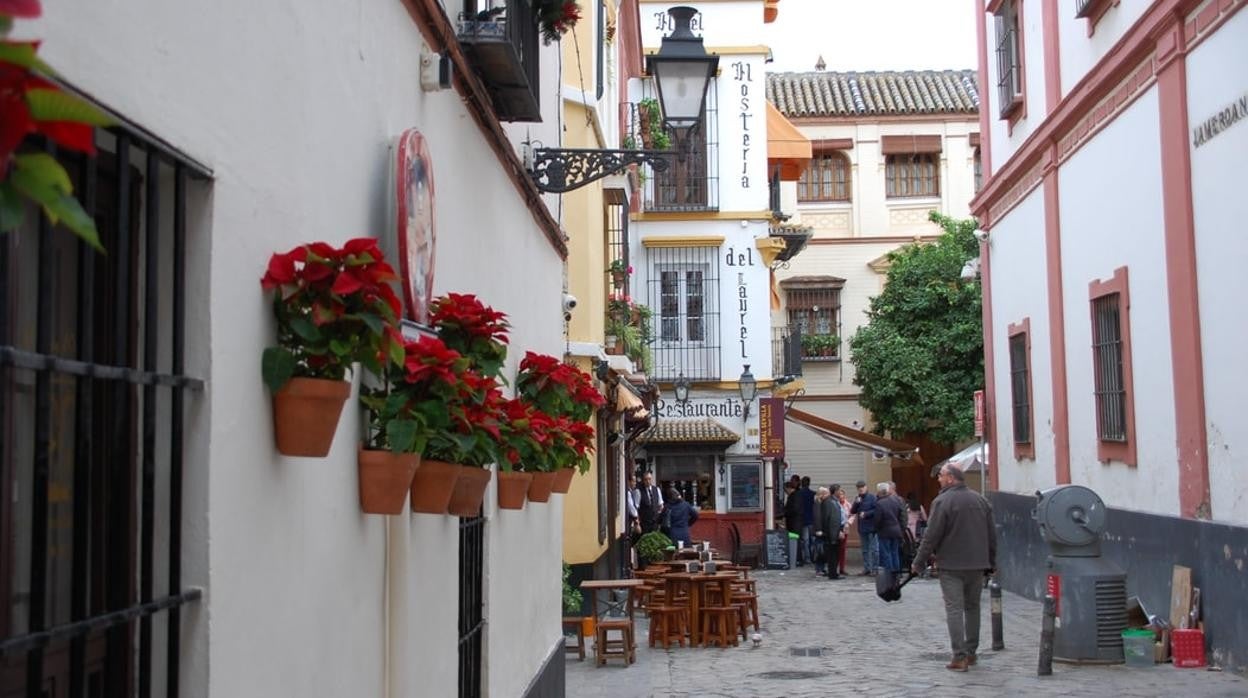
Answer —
414 224
979 414
771 427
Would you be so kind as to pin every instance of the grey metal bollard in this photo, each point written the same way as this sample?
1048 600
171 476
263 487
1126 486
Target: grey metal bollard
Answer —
998 633
1047 623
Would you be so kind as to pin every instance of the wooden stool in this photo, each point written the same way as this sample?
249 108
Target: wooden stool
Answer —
605 647
575 624
719 625
749 604
667 623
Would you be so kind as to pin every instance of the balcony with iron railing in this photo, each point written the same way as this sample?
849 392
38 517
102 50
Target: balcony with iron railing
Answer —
691 180
501 40
786 351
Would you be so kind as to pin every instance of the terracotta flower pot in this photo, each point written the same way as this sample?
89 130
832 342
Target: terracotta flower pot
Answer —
385 477
305 415
541 487
512 488
469 491
619 279
563 480
432 486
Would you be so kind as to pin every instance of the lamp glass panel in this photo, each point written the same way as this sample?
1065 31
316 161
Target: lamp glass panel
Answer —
682 89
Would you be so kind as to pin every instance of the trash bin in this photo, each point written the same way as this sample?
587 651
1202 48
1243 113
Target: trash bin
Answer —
1137 647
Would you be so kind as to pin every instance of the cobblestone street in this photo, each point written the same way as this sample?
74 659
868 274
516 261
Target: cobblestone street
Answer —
836 638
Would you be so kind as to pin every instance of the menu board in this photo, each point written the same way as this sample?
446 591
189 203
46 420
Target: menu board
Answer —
776 549
745 490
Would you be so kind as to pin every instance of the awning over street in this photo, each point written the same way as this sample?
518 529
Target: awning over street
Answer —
786 146
629 402
689 431
855 438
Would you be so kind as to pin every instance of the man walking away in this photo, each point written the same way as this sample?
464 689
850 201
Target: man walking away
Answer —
806 545
649 504
961 534
864 510
827 532
888 523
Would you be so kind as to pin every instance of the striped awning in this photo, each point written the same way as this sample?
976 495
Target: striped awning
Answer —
855 438
689 431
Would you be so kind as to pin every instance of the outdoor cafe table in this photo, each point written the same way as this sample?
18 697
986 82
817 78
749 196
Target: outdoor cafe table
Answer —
698 581
593 585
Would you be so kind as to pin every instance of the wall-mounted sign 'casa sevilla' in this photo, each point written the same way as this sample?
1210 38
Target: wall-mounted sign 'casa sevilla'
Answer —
415 223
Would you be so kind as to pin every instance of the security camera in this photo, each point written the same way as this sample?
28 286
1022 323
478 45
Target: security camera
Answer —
569 302
980 235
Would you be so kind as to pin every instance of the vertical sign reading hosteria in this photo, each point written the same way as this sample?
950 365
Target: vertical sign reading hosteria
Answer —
743 74
771 427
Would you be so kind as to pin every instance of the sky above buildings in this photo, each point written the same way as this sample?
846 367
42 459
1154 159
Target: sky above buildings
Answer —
873 35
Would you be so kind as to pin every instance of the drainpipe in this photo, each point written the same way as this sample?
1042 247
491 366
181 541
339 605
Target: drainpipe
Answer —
397 646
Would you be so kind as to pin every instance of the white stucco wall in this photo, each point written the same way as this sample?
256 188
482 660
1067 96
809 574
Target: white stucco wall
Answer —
1078 51
1020 290
1105 227
296 125
1221 250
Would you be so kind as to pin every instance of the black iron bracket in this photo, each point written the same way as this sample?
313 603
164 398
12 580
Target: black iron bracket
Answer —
559 170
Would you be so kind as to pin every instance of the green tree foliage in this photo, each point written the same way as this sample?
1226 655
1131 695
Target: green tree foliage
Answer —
921 355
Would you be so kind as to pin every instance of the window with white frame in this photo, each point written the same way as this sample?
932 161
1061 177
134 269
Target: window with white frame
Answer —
683 294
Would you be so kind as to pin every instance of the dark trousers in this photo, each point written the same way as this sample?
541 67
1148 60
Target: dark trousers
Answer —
962 590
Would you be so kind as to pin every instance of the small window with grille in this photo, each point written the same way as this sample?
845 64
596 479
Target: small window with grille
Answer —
814 310
912 174
1020 389
1009 58
1111 368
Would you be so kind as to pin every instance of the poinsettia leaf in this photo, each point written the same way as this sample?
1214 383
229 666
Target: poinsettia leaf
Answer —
375 325
401 435
340 347
306 329
6 23
12 208
42 170
397 353
48 104
277 366
22 54
71 215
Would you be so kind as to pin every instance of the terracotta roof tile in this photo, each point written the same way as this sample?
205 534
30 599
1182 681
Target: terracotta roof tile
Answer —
874 93
701 431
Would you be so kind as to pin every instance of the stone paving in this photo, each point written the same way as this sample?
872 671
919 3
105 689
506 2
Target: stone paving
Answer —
862 645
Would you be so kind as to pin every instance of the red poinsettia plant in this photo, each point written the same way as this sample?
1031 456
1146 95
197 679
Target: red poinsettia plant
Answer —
566 398
334 306
435 403
31 104
473 329
556 17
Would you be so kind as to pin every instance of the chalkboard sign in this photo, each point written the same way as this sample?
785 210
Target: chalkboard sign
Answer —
776 549
745 492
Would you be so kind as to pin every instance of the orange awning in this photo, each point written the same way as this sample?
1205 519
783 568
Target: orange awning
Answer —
855 438
786 146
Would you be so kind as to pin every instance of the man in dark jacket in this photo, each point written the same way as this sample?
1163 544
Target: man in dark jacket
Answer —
864 508
888 524
961 534
807 497
827 532
792 510
649 504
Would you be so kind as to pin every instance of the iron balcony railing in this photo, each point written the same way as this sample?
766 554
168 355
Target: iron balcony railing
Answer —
691 181
786 351
501 38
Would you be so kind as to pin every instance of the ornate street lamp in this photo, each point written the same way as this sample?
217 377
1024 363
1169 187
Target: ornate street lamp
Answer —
682 71
749 389
681 388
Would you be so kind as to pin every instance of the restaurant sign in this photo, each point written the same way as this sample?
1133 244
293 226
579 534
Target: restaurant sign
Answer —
771 427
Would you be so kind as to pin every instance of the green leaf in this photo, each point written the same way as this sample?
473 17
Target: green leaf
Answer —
12 208
43 169
401 433
277 366
47 104
306 329
340 347
375 325
42 179
74 217
23 55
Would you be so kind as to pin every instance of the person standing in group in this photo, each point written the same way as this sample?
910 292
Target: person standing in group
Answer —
828 526
806 544
863 510
631 521
916 515
838 493
888 523
649 504
680 516
961 533
792 510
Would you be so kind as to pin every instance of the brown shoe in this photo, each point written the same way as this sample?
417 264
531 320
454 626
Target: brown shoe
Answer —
971 660
957 665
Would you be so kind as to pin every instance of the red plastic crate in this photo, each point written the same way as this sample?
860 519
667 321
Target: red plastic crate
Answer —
1187 648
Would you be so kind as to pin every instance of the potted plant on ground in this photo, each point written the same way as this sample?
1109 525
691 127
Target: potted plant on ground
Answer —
334 307
652 546
566 396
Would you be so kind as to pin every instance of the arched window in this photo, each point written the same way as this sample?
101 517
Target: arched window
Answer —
826 179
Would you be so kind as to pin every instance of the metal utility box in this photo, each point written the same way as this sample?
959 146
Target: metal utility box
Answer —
1091 591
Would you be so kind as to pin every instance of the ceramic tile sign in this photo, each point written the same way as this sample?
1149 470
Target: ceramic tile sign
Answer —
414 224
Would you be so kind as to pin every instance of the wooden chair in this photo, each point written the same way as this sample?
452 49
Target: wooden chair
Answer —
667 623
719 625
574 623
741 554
605 647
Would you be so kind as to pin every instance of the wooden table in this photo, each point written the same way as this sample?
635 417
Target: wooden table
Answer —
594 585
697 587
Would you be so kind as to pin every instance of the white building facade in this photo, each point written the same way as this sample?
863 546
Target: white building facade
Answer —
889 148
1112 137
246 129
